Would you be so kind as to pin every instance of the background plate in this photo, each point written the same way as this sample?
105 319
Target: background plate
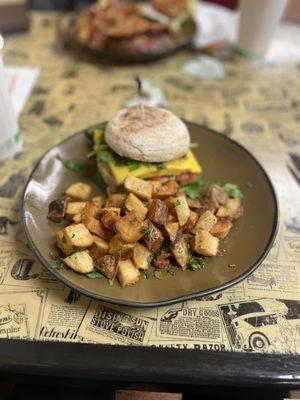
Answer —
222 160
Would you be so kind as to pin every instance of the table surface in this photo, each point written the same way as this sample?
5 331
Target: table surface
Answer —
256 105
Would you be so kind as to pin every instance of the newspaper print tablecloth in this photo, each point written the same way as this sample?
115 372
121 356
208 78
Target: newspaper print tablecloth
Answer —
259 107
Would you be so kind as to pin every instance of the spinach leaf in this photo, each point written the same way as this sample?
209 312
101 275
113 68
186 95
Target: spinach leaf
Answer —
232 190
95 275
71 165
194 190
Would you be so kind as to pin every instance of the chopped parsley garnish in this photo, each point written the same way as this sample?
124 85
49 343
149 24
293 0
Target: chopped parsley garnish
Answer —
172 270
95 275
58 265
147 274
232 190
71 165
194 190
197 263
177 203
149 259
110 282
146 229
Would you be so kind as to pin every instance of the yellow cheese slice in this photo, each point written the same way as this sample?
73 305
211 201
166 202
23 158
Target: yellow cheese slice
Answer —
176 167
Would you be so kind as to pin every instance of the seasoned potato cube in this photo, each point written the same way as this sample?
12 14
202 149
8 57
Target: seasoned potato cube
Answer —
194 204
205 244
107 265
162 263
158 212
116 200
116 245
206 221
80 262
155 185
221 228
127 273
191 222
153 237
99 247
77 218
109 219
165 190
182 210
63 242
141 256
142 189
170 202
78 235
73 208
99 201
90 213
106 210
130 227
134 204
172 230
232 209
180 250
79 190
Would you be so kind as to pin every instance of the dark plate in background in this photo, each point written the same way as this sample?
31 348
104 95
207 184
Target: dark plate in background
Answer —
222 160
66 34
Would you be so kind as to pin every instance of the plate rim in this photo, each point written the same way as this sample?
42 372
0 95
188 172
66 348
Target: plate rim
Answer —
183 298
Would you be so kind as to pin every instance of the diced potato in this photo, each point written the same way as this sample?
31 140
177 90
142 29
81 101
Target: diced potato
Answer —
77 218
155 185
116 245
141 256
191 222
206 221
99 201
64 243
162 263
99 247
232 209
142 189
107 265
79 190
116 200
105 210
80 262
165 190
130 227
109 219
182 210
158 212
180 250
153 237
170 202
205 244
221 228
73 208
172 230
90 213
194 204
127 273
134 204
74 236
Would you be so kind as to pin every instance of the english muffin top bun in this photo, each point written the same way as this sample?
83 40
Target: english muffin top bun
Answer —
148 134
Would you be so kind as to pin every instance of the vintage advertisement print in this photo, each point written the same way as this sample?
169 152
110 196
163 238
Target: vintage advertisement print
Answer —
62 315
106 324
20 312
263 325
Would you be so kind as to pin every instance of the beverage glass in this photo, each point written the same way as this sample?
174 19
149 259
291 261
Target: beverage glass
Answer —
10 140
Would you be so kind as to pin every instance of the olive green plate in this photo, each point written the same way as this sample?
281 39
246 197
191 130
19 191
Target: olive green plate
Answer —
246 246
